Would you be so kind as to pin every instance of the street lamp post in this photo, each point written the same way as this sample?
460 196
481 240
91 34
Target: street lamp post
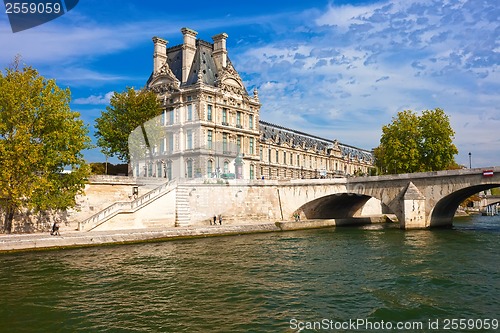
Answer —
470 160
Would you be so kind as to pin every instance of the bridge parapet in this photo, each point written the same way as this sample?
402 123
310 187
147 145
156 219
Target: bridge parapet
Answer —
426 175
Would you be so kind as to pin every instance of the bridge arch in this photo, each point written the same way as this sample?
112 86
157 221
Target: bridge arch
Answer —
338 205
444 210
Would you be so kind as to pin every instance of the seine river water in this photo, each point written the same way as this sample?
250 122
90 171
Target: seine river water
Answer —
308 281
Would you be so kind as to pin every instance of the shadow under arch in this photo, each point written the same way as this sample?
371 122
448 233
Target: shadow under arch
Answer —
337 206
444 210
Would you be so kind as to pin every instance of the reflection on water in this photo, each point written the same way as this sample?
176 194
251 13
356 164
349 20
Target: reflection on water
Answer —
257 283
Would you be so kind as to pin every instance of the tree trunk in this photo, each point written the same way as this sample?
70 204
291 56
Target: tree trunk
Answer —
9 216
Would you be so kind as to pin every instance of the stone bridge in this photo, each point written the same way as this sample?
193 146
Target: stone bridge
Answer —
419 200
429 199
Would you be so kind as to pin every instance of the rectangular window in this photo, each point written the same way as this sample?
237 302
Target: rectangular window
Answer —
224 142
251 171
224 116
250 121
251 146
284 157
150 169
269 155
169 143
189 169
209 112
189 139
189 116
210 138
170 117
209 168
163 145
277 156
169 170
238 143
238 119
170 140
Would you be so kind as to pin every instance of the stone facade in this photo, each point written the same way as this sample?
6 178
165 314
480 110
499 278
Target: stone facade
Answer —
211 126
290 154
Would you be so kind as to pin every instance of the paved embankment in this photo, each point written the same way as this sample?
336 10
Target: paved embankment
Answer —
22 242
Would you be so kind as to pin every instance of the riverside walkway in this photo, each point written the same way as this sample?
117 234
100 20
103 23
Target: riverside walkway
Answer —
71 239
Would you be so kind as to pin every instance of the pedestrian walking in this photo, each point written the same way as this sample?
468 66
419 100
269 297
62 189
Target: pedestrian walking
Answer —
220 219
55 229
215 220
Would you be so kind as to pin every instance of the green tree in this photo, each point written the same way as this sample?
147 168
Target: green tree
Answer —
39 137
127 111
436 141
412 143
398 151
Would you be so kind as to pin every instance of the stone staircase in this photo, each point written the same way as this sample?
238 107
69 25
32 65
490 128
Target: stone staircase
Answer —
182 212
130 207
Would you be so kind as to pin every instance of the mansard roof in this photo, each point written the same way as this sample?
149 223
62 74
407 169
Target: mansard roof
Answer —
203 63
281 135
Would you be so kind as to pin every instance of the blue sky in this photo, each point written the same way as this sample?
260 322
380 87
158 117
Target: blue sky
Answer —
337 69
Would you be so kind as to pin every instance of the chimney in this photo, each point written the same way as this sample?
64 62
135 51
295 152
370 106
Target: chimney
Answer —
160 54
220 52
188 51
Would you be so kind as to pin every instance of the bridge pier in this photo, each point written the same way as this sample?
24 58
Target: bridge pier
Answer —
413 209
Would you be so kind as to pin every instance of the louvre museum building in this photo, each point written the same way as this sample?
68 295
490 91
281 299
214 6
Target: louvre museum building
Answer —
210 125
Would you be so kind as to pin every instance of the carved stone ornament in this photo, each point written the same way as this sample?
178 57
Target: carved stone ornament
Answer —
165 87
165 70
229 74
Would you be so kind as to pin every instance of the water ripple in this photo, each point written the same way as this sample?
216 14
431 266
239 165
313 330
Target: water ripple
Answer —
255 283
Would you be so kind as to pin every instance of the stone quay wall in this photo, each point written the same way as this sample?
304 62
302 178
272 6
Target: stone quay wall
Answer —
190 203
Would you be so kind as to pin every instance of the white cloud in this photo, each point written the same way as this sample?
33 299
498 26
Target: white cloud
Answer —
345 15
340 72
77 76
94 99
409 55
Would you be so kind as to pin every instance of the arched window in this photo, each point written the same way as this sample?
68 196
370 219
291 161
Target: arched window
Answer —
226 167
